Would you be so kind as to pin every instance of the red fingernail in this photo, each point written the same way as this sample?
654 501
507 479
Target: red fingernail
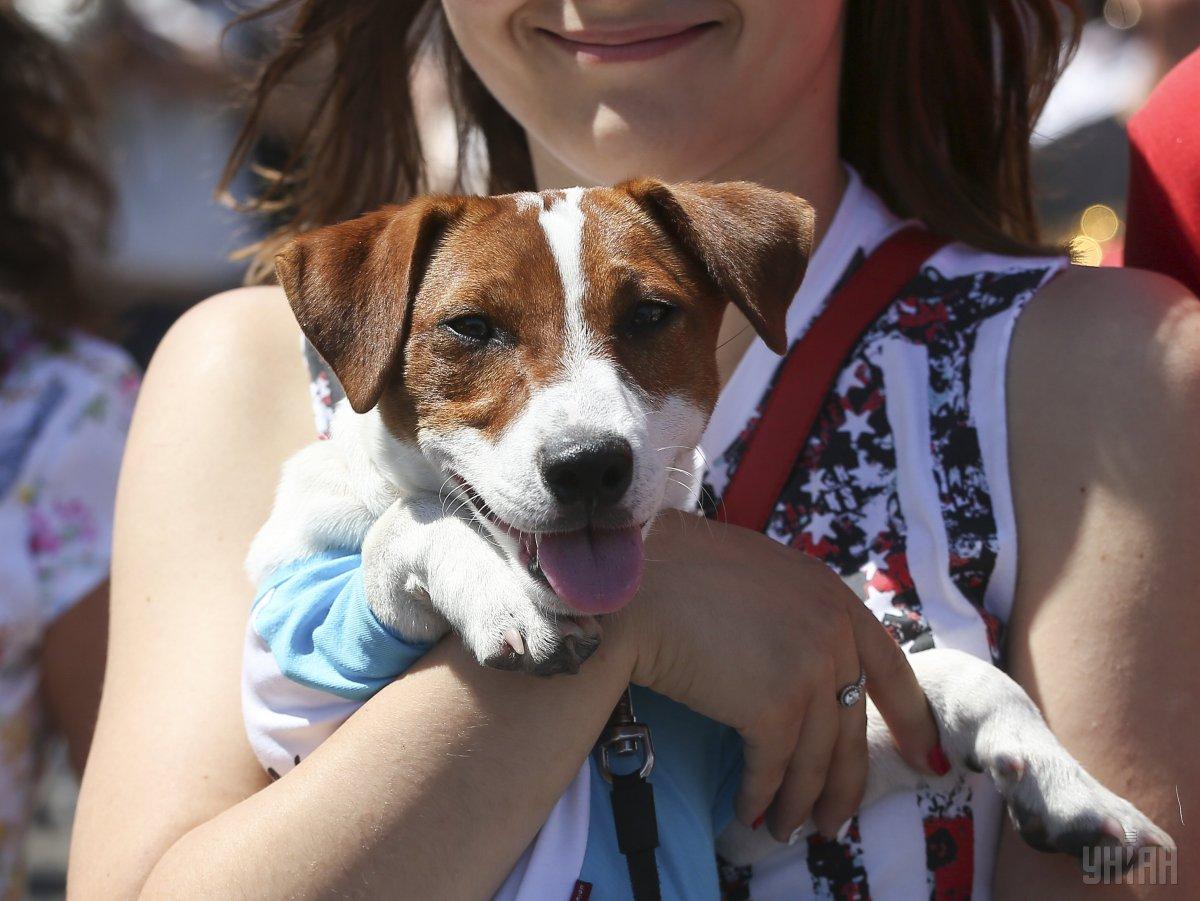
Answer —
762 818
938 761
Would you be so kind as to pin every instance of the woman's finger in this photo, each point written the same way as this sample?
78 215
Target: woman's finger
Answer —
895 690
766 755
847 777
807 774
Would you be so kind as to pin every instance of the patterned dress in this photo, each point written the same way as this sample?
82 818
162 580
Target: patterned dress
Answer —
65 406
903 489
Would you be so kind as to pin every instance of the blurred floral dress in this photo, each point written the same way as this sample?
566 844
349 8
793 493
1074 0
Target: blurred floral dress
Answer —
65 406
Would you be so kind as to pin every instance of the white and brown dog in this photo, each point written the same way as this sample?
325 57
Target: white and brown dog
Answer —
527 378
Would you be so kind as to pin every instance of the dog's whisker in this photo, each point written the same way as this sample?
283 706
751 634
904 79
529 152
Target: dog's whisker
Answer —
456 495
695 448
687 488
448 497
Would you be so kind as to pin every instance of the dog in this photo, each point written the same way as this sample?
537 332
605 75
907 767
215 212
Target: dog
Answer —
526 378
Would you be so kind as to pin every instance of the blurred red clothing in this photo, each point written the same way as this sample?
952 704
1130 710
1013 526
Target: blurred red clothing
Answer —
1163 227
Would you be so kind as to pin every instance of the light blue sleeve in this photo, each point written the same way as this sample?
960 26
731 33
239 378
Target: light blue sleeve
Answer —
314 617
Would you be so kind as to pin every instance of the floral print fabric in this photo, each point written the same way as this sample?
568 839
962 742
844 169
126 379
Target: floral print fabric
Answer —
65 406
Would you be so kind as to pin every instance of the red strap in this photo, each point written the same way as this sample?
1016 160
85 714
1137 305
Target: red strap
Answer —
809 371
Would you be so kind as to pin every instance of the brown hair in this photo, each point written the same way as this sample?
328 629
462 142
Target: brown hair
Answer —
938 99
53 198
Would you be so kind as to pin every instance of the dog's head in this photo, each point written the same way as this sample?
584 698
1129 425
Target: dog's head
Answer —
552 355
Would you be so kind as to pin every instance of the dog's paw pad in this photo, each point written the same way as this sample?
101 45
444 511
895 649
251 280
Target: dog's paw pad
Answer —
507 658
568 655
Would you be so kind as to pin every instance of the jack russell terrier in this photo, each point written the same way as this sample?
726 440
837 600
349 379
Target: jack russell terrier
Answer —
525 377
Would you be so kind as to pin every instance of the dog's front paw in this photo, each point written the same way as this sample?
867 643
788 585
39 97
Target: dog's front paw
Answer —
537 642
1057 805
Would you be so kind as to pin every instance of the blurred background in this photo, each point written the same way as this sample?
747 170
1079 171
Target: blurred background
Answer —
166 83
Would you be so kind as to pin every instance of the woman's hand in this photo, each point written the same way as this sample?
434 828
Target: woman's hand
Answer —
761 637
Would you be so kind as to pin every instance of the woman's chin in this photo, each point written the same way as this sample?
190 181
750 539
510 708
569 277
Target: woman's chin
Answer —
621 148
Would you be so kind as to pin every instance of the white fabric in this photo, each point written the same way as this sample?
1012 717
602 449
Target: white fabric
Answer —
550 866
891 847
285 720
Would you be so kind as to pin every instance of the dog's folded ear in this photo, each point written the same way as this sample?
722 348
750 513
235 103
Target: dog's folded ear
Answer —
751 242
352 286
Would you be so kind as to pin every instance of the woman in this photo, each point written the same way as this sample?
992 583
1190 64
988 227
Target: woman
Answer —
455 764
65 403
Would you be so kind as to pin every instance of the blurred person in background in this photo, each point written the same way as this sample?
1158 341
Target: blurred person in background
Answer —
164 116
1081 154
437 785
66 398
1164 178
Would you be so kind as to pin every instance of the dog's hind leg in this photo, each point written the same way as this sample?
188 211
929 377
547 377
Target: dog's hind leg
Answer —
989 724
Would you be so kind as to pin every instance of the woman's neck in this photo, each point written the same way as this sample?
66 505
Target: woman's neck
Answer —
791 160
798 154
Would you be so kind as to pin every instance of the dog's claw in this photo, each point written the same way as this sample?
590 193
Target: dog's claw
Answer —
513 637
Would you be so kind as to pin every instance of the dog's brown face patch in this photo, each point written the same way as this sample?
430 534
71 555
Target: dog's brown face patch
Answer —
494 266
507 335
496 272
631 268
453 313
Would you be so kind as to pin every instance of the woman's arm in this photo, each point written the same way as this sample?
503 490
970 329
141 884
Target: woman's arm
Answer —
173 800
453 762
1104 411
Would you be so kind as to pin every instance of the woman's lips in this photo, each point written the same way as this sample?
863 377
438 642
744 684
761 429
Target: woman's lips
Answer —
627 44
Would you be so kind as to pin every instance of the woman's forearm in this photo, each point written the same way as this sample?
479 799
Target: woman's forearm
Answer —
453 762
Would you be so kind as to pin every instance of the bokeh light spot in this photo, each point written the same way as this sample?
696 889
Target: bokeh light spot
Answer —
1099 222
1122 14
1086 251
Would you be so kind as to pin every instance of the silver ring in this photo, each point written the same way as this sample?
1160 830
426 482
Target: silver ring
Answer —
851 694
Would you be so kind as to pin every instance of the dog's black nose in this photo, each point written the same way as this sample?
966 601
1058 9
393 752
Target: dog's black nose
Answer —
591 471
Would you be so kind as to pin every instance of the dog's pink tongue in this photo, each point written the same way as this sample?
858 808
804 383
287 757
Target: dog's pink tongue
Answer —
593 570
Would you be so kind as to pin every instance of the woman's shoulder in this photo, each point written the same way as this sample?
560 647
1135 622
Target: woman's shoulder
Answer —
243 328
1114 332
1103 389
227 380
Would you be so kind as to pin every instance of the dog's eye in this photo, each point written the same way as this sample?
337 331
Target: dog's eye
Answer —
650 313
474 328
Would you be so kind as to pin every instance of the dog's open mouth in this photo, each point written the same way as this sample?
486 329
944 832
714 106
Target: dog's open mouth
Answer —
592 570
